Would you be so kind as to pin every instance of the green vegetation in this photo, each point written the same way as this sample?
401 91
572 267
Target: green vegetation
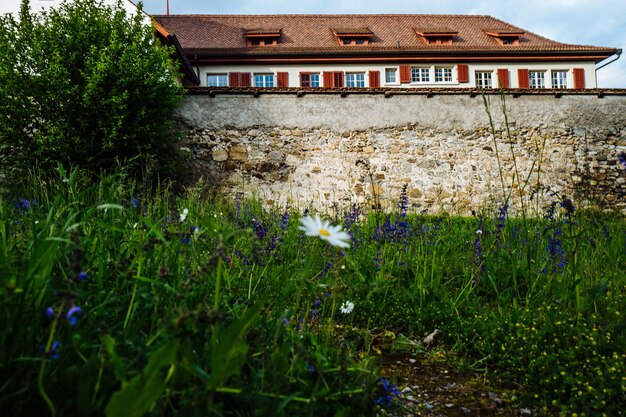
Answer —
118 300
86 85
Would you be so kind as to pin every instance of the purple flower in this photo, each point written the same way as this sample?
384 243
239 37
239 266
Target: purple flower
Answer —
71 315
186 240
388 391
285 321
50 312
135 202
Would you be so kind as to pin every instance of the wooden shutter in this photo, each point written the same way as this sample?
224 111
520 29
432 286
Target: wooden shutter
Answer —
405 74
374 79
338 79
522 78
328 79
246 79
463 73
234 79
579 78
282 79
503 77
305 79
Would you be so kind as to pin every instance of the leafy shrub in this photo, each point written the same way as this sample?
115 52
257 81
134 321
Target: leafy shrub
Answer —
84 84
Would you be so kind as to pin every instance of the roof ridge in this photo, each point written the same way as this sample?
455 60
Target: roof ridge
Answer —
323 15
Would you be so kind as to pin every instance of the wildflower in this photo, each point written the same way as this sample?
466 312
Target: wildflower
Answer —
388 391
53 353
195 229
285 321
186 240
50 312
347 307
71 315
183 215
135 202
332 234
82 276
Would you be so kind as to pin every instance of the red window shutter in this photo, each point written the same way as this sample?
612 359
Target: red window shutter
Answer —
405 74
503 77
246 79
579 78
374 79
234 79
463 73
522 78
328 79
282 79
305 79
338 78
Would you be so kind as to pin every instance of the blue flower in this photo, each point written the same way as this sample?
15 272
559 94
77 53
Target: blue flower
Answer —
53 353
82 276
135 202
50 312
186 240
71 315
388 391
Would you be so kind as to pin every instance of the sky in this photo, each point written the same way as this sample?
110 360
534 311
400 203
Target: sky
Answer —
582 22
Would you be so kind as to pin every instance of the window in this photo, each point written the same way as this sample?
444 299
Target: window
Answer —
559 79
264 80
309 80
483 79
420 75
217 80
537 79
355 79
443 75
391 76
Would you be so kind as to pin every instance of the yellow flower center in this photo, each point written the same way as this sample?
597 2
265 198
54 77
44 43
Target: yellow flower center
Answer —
324 232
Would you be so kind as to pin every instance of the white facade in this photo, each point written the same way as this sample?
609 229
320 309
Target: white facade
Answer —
426 75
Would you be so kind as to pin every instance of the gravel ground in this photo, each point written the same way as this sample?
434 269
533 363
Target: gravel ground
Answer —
435 388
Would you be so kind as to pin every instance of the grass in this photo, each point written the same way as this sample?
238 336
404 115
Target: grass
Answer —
230 309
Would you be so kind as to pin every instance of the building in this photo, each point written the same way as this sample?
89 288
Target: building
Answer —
376 51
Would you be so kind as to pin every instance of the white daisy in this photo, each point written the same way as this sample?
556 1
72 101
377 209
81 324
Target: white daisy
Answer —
347 307
183 215
332 234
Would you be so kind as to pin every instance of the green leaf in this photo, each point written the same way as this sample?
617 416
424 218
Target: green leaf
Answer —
136 397
229 349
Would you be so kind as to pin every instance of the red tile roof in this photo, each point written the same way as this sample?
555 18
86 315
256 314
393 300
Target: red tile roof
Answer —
219 35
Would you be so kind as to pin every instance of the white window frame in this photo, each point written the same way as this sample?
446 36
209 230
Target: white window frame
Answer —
482 78
420 75
222 80
264 80
355 79
443 74
537 79
393 71
559 82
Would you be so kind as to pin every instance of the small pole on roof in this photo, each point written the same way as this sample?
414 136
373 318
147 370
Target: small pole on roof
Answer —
167 7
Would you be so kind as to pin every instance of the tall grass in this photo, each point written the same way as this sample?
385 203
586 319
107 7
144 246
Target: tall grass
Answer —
192 304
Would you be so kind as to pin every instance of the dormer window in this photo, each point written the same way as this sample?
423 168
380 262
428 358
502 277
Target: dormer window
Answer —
505 37
262 37
355 36
436 36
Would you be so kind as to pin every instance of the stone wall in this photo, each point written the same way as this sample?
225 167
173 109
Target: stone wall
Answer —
320 149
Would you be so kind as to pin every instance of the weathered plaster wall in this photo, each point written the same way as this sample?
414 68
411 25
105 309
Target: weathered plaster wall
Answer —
321 149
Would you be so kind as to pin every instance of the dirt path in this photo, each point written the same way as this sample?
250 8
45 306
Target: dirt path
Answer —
434 388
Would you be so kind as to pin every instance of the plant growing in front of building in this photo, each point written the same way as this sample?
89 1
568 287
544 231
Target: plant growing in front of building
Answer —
84 84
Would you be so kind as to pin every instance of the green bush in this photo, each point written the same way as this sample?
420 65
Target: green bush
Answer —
86 85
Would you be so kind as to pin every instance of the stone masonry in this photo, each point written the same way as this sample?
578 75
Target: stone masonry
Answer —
317 151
